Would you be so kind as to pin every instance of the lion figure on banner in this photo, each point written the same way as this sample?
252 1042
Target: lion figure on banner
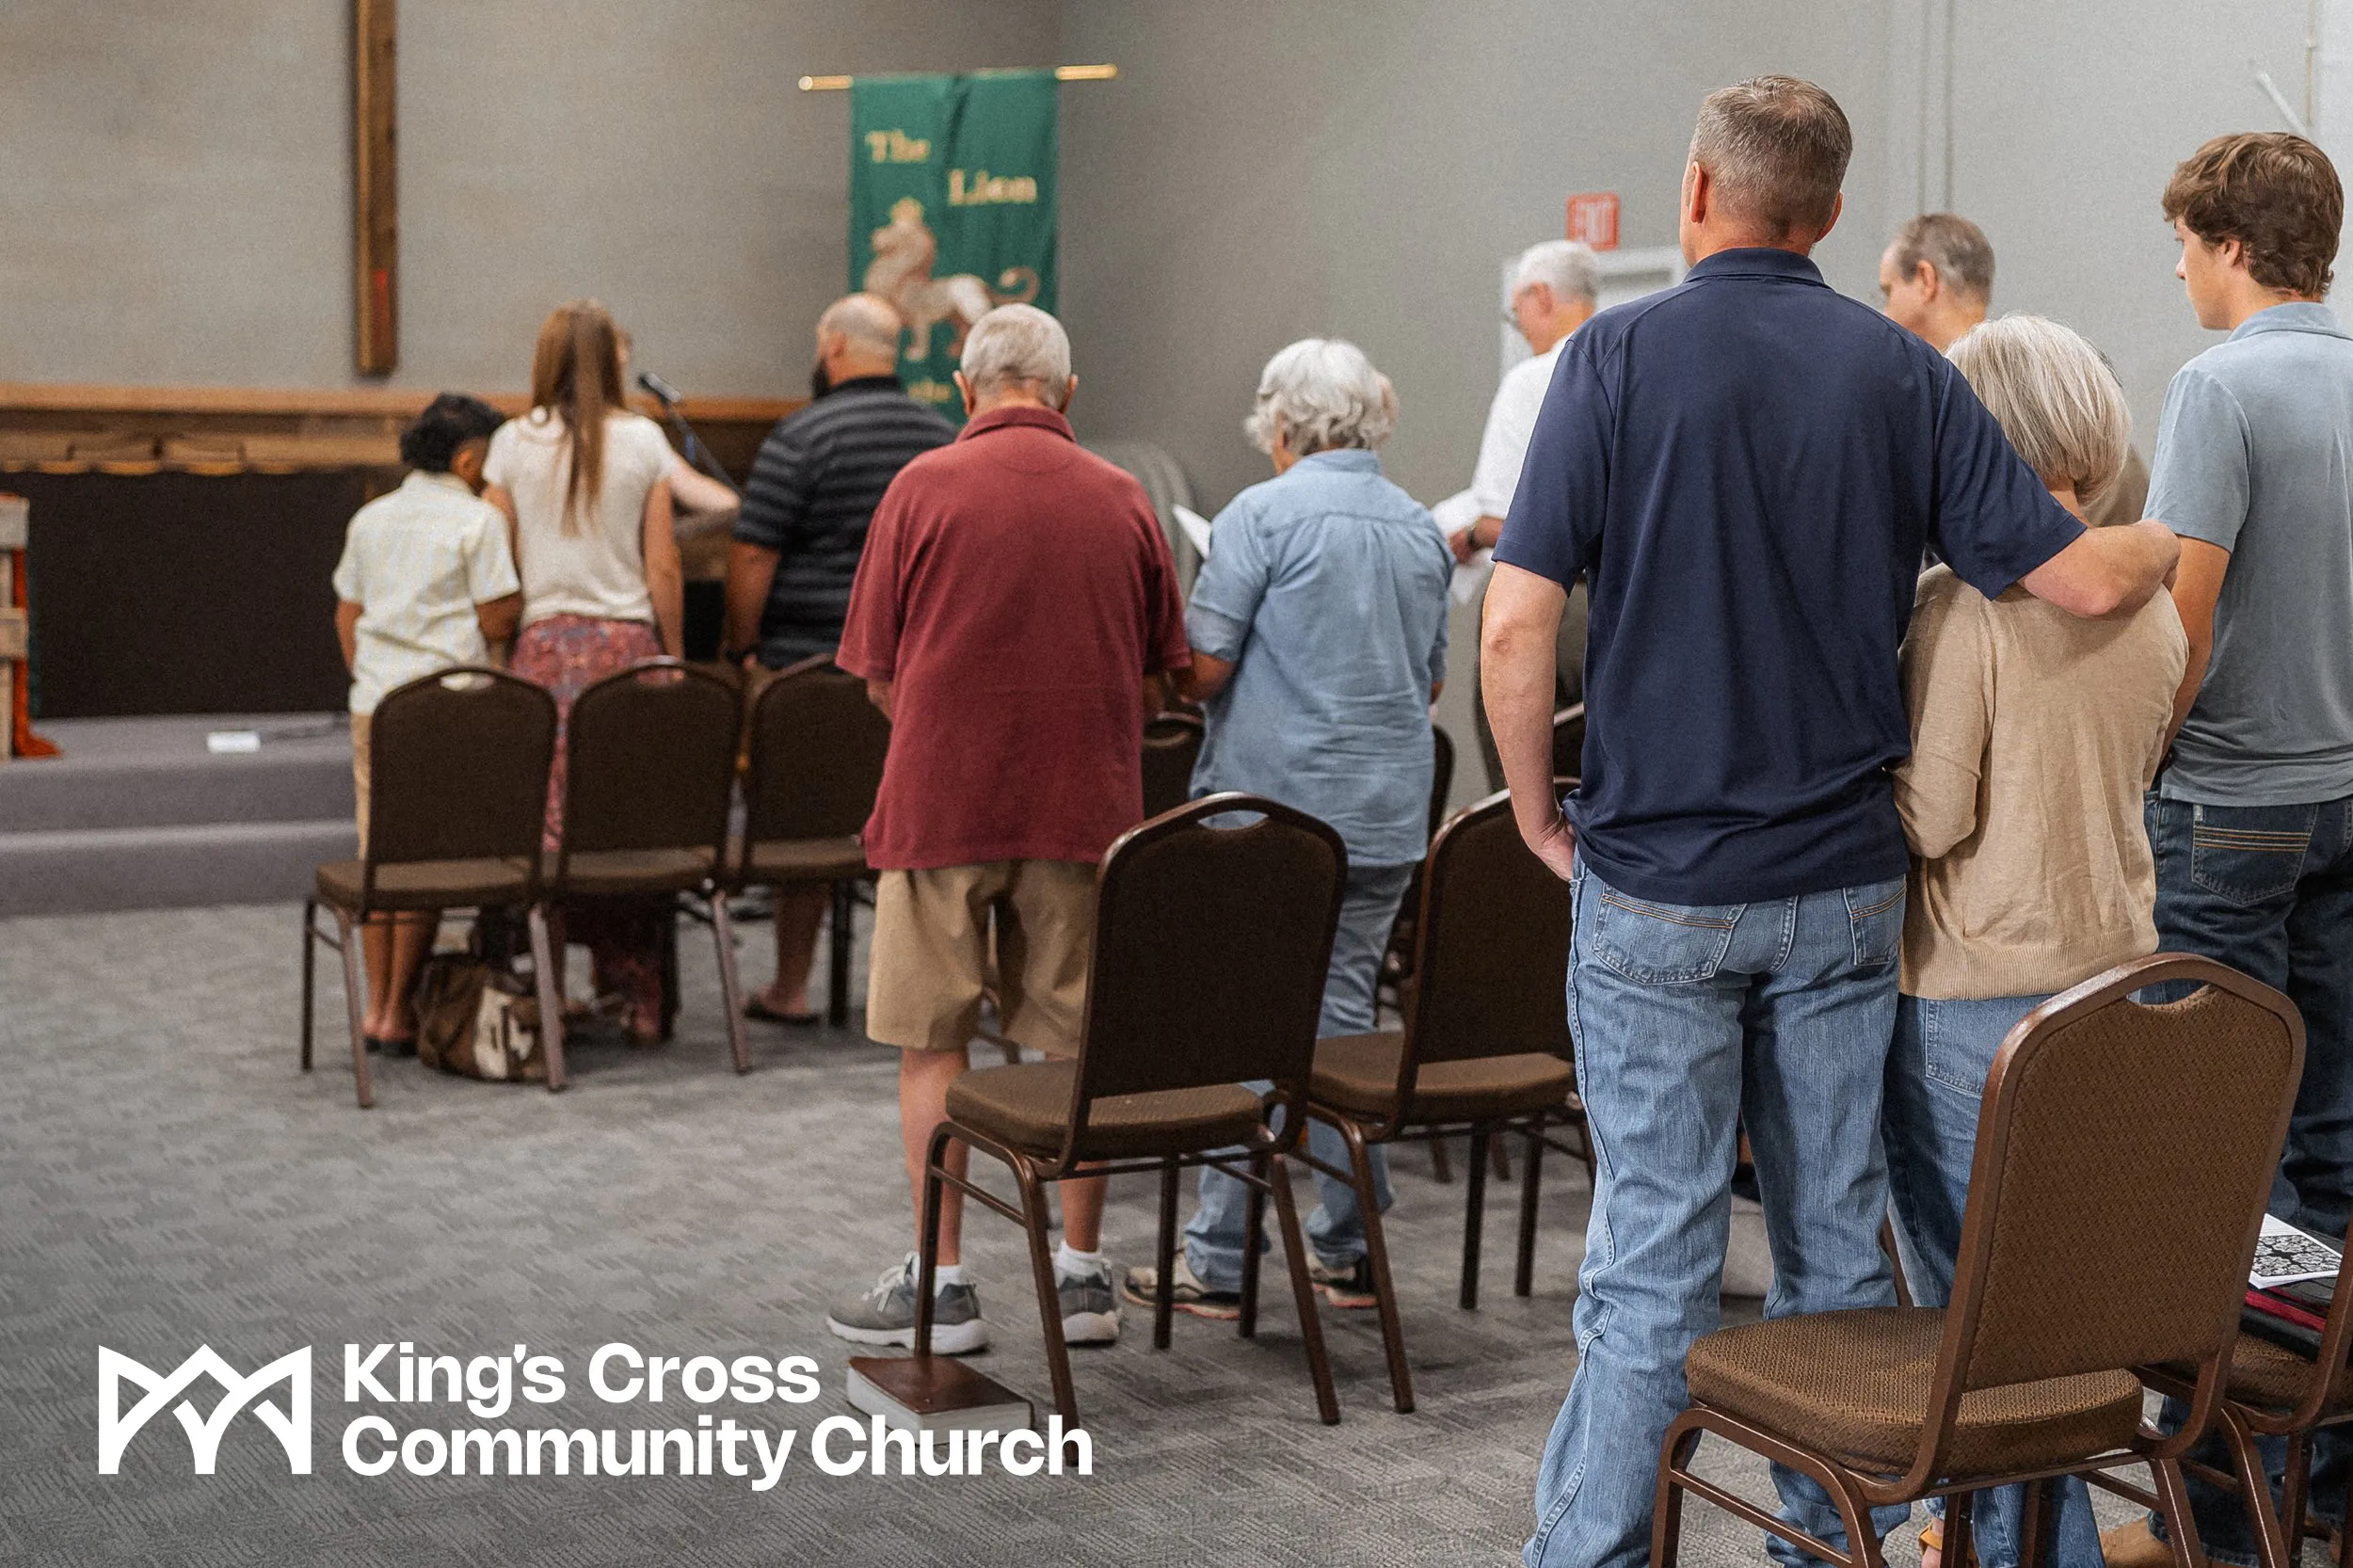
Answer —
901 272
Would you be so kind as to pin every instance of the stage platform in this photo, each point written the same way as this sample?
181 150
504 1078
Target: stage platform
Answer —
139 814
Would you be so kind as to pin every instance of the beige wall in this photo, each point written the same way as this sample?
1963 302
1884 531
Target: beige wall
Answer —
178 181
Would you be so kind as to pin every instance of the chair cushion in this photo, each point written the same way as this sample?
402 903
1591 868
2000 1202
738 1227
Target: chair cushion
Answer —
636 871
428 884
782 861
2263 1373
1854 1386
1028 1107
1357 1072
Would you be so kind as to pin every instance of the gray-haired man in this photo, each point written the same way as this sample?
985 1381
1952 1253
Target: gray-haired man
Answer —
1556 286
1937 279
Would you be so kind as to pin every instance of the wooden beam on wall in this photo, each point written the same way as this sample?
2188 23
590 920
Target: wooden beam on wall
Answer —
374 185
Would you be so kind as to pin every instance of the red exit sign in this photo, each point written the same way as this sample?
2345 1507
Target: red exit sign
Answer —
1593 218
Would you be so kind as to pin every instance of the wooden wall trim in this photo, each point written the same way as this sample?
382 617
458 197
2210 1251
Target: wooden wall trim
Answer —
59 428
52 397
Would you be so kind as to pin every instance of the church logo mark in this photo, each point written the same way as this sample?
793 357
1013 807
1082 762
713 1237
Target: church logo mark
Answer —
290 1425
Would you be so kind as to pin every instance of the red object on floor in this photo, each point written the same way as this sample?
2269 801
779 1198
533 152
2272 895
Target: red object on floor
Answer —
23 742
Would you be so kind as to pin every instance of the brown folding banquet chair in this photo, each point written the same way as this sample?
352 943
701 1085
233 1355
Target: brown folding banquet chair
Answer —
817 751
1485 1048
2277 1392
649 777
457 792
1210 947
2124 1155
1172 743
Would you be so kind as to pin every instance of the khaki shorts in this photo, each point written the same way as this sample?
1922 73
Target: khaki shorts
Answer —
359 773
932 957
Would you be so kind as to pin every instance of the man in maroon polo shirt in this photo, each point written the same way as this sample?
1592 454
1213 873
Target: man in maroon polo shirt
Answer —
1015 601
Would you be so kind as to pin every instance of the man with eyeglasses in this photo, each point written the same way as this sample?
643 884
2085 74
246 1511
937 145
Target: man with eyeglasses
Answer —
1554 289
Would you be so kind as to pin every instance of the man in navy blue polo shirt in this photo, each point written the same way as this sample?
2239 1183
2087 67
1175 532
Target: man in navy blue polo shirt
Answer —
1745 468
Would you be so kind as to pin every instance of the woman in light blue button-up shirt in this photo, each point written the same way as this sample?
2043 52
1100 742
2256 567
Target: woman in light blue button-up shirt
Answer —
1318 639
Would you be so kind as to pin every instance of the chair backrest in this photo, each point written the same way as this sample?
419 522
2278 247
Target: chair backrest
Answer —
1210 948
2124 1156
817 751
1172 743
650 762
1568 742
1441 777
1492 947
458 769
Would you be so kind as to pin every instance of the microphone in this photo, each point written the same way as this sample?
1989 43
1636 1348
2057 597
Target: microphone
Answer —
664 392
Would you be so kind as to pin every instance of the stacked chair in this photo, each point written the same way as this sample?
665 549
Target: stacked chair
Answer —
1486 1050
2124 1155
816 750
648 781
458 795
1210 946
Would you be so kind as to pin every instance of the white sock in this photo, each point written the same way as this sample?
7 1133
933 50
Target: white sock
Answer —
1070 1263
945 1274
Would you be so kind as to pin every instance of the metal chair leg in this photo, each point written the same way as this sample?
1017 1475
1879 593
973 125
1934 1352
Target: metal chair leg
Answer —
355 995
1302 1291
1035 1220
309 972
927 1243
551 999
1164 1285
1499 1152
1666 1525
2181 1530
2274 1547
838 972
1441 1163
1377 1250
1524 1276
731 984
1474 1217
1254 1230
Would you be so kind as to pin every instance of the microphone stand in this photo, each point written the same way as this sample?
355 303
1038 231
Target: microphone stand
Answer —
692 444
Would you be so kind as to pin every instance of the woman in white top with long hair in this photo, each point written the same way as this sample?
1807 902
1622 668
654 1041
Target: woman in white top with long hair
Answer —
583 482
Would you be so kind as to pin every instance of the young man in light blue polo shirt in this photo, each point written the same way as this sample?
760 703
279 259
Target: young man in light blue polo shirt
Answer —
2252 818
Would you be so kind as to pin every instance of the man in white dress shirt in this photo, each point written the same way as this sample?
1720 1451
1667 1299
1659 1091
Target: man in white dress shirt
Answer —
1554 289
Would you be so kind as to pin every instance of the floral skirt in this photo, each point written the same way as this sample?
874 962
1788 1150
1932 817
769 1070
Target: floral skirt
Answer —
566 654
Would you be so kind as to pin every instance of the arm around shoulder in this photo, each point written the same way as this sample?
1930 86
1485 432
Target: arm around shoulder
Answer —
2108 570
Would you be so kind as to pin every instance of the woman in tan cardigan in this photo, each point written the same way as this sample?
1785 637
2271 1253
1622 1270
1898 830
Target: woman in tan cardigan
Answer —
2033 735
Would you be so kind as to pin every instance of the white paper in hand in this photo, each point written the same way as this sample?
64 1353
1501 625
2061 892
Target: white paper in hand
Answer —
1197 529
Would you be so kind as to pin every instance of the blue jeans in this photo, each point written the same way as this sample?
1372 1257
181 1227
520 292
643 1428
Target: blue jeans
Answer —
1688 1020
2270 889
1936 1081
1215 1238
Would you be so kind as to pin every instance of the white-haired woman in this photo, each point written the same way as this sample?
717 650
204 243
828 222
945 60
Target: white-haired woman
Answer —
1319 643
2033 735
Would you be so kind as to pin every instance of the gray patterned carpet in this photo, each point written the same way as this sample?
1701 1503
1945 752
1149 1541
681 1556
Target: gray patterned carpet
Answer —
168 1178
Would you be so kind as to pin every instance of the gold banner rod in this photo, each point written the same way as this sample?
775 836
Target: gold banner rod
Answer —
1061 73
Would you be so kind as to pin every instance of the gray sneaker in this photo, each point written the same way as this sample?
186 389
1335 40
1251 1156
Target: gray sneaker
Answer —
1090 1312
885 1315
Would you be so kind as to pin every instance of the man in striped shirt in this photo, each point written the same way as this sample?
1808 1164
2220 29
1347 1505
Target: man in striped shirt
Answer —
798 538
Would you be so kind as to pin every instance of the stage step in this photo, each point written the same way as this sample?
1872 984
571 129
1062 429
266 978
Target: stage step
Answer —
87 871
157 773
139 814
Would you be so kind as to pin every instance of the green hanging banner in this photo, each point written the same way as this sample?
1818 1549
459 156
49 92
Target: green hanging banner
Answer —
951 207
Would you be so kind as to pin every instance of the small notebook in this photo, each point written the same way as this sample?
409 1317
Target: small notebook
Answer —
934 1393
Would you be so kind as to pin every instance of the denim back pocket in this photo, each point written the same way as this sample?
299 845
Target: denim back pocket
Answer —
1875 913
1662 944
2250 854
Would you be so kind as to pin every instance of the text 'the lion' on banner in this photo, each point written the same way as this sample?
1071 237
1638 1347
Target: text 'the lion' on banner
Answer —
951 207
